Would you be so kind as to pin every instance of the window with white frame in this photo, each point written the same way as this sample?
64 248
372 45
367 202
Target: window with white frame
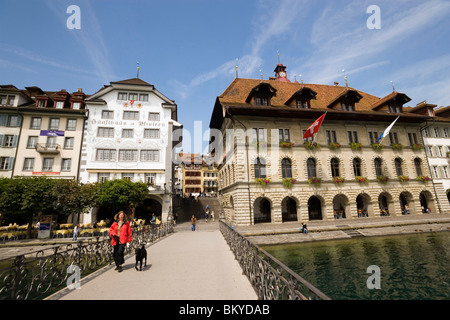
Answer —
127 133
150 155
107 114
128 176
105 155
122 96
47 164
105 132
28 164
59 104
69 142
6 163
151 133
150 178
153 116
66 165
53 124
143 97
103 176
36 123
32 141
131 115
128 155
76 106
71 124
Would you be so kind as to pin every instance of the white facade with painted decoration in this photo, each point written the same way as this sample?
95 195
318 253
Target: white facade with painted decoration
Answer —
128 135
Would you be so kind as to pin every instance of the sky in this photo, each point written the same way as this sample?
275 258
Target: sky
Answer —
188 49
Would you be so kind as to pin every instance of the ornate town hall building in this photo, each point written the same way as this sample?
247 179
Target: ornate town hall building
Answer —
269 173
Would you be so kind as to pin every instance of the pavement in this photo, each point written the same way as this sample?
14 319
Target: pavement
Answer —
185 265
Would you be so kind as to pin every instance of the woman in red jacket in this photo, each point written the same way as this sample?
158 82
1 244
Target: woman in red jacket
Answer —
120 233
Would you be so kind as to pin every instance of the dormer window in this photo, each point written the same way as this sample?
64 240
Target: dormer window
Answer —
261 94
76 106
302 98
347 106
395 108
59 105
303 104
41 103
7 100
261 101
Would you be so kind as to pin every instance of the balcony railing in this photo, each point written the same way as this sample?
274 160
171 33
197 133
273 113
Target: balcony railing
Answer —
38 274
270 278
48 148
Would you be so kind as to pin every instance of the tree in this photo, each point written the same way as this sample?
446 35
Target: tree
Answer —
74 198
121 194
25 197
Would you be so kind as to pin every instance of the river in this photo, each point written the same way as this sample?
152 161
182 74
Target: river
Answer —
413 267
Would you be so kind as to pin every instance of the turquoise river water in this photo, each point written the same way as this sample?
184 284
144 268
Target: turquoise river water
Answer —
414 267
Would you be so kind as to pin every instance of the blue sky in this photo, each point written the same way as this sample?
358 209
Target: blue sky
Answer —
188 48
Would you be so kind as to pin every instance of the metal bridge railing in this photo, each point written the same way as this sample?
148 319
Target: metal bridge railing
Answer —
38 274
271 279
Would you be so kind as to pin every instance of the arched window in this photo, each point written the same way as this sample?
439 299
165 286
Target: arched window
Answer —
357 167
286 168
260 168
335 167
418 166
378 167
311 166
398 166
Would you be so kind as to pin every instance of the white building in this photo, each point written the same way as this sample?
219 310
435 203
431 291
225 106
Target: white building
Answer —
436 139
128 134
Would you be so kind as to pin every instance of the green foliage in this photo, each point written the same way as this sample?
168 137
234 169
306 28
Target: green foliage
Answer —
121 194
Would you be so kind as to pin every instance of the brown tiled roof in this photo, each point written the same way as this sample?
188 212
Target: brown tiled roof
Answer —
233 99
239 89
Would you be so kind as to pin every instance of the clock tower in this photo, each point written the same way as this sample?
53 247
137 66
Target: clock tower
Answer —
280 73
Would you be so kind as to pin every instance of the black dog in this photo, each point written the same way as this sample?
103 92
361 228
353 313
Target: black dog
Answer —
141 254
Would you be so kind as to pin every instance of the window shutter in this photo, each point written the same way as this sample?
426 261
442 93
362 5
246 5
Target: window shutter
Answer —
14 141
3 120
10 163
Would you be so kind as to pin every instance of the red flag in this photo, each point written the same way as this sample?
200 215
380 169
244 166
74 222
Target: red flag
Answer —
314 127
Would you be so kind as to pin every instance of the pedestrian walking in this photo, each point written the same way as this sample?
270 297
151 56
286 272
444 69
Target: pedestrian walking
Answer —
120 233
212 215
76 231
193 222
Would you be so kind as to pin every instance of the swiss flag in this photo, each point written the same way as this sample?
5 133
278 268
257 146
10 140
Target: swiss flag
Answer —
312 130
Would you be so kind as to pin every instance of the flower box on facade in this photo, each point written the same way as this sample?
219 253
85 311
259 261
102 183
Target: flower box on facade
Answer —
397 146
262 181
334 145
311 145
403 178
286 144
423 179
314 181
355 145
338 180
362 179
382 179
416 146
377 146
288 182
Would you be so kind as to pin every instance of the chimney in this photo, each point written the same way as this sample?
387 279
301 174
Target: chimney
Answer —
336 83
80 90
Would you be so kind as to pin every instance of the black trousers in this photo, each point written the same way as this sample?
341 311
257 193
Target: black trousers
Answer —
119 250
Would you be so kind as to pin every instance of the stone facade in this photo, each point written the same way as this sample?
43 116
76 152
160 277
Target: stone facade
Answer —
251 147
